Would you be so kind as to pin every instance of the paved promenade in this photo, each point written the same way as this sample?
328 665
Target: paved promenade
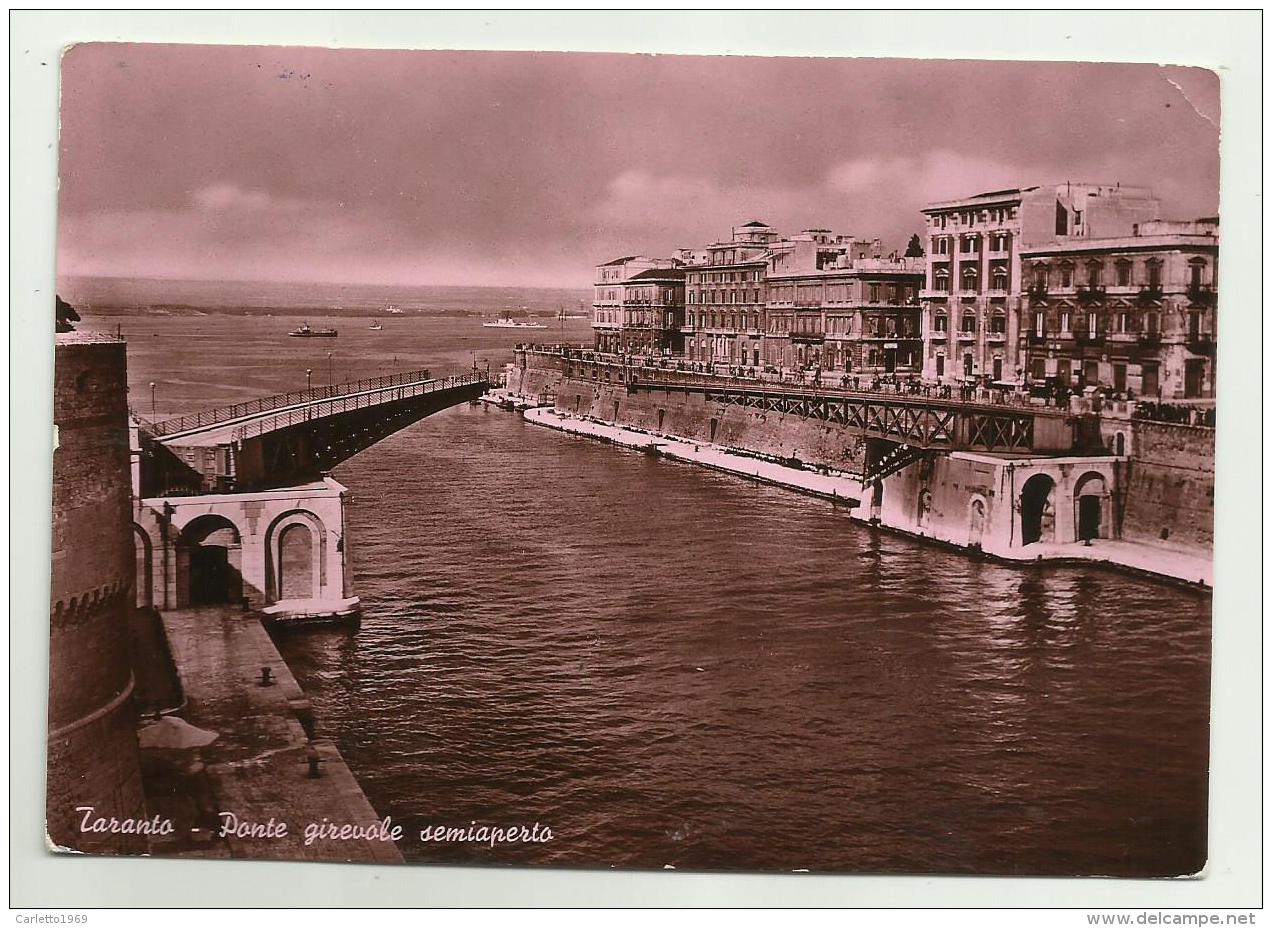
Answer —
1161 562
258 765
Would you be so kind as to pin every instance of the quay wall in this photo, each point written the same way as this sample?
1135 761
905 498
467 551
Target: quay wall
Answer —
1170 486
93 758
1155 486
692 417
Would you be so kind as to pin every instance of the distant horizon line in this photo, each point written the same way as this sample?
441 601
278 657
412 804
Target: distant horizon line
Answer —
318 283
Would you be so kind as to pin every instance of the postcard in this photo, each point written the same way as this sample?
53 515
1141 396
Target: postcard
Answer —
653 462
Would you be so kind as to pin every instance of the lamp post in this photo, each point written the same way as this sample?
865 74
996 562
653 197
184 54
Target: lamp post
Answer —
330 376
152 399
309 378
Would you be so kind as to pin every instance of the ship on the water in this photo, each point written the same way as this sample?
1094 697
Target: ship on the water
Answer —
506 321
305 331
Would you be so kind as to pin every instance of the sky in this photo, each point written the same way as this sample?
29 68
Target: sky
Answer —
514 168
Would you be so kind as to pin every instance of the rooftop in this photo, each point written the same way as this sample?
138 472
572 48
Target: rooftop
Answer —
660 273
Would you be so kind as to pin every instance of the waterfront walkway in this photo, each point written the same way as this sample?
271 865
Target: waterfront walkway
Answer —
258 766
1138 558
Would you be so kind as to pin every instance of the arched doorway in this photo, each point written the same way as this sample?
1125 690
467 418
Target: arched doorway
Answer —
925 507
1089 510
144 581
296 562
1037 510
212 553
976 522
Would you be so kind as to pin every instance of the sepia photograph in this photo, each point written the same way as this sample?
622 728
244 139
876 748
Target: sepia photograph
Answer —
634 461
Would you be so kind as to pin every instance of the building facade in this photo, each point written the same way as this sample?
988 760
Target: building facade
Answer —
608 295
652 312
974 293
725 297
1133 314
834 306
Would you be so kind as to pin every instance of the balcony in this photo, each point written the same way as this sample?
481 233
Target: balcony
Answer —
1084 337
808 336
1037 294
996 336
927 294
1201 343
1091 296
1201 295
1150 295
1149 339
1036 339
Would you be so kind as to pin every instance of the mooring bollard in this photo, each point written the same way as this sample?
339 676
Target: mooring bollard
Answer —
267 677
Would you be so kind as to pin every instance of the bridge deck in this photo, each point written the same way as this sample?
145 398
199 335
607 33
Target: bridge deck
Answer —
307 409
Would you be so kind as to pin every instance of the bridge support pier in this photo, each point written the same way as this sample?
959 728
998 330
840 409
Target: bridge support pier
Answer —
282 551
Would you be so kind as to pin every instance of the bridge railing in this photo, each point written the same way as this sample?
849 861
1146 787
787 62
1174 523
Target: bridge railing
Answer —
281 400
364 399
901 392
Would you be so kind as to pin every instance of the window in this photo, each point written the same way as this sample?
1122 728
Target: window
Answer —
970 277
998 324
1195 271
1095 270
1124 273
941 322
942 280
1040 324
1040 276
1064 322
1121 322
874 293
968 321
1154 274
1066 276
999 279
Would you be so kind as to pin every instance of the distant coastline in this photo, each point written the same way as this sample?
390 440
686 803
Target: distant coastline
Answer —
113 296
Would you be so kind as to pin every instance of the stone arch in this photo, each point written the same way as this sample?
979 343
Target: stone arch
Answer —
1038 510
276 582
1091 510
209 562
144 581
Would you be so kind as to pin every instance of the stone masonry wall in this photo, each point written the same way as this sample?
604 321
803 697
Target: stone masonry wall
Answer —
1170 495
93 756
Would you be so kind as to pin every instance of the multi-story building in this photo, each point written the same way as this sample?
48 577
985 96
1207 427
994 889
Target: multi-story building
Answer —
835 305
974 295
1134 314
607 301
724 299
652 312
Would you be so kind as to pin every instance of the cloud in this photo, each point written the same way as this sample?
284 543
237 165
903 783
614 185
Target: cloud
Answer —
930 177
231 197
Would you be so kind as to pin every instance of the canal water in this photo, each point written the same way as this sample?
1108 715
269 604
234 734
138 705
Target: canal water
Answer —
671 667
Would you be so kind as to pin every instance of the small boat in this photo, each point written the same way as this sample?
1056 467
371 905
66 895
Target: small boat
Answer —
306 332
393 310
375 327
